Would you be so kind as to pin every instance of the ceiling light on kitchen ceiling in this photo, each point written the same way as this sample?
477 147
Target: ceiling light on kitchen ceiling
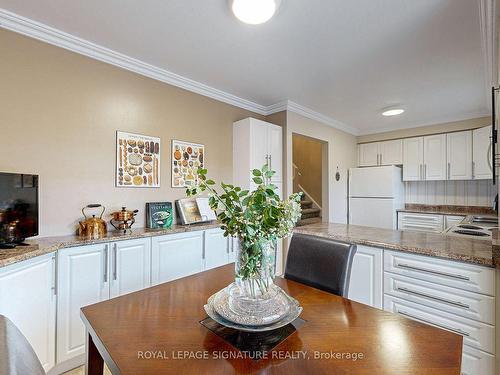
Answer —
255 12
392 111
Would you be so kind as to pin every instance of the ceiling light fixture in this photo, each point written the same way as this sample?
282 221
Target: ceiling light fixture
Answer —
255 12
392 111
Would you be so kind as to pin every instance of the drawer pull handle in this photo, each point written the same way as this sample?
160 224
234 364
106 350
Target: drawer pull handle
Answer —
454 303
451 275
454 330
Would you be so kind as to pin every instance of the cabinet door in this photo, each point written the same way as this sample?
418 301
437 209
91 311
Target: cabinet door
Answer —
176 255
365 285
83 279
27 298
130 266
368 154
413 159
275 150
259 143
435 157
459 155
391 152
216 249
481 153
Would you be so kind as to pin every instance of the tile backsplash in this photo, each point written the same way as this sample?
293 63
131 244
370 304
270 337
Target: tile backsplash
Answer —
460 193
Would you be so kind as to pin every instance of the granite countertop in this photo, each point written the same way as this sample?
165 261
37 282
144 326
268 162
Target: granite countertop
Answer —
46 245
469 250
449 210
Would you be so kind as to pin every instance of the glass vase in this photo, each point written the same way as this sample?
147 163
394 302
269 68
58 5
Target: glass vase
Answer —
255 267
253 292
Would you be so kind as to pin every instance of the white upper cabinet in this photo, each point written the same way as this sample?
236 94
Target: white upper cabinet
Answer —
459 155
391 152
27 298
435 157
481 153
255 144
368 154
413 159
130 266
380 153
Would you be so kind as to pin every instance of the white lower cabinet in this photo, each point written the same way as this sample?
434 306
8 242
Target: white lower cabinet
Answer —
476 362
216 249
451 295
27 298
365 284
130 266
94 273
176 255
83 279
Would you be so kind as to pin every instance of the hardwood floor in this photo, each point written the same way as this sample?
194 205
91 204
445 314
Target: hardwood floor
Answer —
81 371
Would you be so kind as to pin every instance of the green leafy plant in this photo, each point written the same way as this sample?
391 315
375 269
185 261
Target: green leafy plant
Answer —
253 216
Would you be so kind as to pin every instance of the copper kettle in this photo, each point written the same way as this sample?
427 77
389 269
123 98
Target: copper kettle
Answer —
93 227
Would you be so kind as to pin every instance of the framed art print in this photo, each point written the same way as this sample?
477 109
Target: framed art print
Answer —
137 160
187 157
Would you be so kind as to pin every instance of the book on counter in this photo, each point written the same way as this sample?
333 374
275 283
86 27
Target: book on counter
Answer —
195 210
159 215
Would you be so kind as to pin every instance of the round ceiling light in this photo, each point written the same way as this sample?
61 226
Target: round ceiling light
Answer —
254 12
393 111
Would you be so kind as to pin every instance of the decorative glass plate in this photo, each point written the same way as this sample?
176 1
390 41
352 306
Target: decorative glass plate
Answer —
231 306
295 311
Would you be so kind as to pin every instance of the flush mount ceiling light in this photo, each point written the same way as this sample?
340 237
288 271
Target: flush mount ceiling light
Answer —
254 12
392 111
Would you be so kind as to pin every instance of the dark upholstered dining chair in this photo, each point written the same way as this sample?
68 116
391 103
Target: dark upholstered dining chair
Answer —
320 262
17 357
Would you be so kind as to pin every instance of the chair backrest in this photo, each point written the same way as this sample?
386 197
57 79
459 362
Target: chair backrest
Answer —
17 357
320 262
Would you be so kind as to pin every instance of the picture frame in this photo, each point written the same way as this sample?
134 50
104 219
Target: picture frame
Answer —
186 158
138 160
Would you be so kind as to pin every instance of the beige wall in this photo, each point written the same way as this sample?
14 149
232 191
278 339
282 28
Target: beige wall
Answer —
58 118
340 152
425 130
307 156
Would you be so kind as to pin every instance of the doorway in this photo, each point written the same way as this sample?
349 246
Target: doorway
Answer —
308 176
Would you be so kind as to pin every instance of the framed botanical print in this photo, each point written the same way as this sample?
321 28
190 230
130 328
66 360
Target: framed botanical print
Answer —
137 160
187 157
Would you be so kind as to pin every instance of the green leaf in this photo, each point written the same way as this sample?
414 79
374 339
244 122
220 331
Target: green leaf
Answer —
202 171
210 182
256 173
270 174
257 180
243 193
265 168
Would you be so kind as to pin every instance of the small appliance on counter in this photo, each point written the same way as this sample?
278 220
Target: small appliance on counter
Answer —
92 227
124 219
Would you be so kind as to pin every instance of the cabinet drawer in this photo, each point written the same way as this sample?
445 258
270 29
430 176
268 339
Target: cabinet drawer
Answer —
476 334
420 222
445 272
456 301
476 362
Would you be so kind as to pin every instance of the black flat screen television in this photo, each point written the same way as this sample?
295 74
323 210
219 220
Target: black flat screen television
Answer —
18 207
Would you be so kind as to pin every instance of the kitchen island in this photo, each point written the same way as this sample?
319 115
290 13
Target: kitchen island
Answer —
442 280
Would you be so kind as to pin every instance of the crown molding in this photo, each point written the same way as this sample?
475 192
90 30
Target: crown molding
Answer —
436 121
37 30
290 106
488 16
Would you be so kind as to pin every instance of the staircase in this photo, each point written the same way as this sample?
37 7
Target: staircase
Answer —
310 214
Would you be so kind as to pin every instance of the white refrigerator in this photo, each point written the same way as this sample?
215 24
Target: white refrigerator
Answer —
375 195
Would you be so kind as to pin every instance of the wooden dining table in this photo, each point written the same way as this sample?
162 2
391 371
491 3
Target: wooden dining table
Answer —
158 331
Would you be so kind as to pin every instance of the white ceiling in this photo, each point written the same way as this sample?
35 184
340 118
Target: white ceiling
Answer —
343 59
